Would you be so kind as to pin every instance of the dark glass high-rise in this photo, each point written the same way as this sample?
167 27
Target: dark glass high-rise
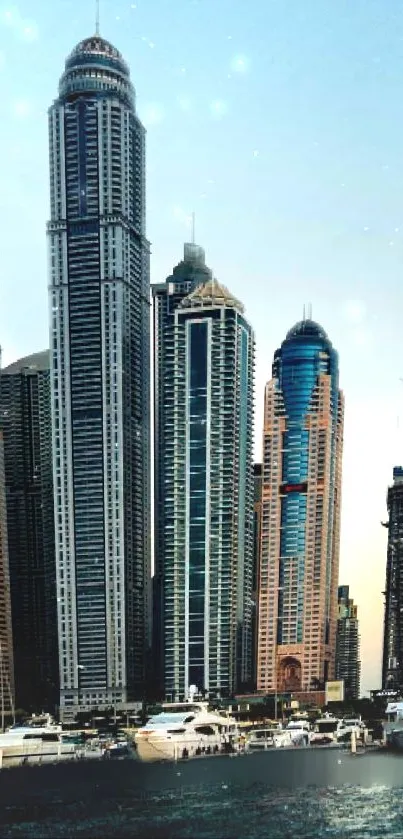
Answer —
99 344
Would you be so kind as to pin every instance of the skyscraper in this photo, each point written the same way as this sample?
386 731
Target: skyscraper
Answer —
302 454
186 276
6 634
99 300
348 665
392 665
208 521
257 526
26 423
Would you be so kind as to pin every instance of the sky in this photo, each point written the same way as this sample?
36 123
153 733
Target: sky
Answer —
279 123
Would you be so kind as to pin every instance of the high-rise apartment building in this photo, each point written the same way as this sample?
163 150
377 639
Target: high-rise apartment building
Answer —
208 518
348 665
7 702
186 276
100 379
257 525
392 665
299 562
25 418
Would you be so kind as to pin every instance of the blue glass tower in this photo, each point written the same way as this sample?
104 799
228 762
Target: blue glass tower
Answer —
303 430
208 522
167 296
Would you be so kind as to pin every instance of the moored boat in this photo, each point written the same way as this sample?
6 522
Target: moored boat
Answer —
185 730
393 725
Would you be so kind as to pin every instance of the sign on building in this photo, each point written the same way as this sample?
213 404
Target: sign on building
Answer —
334 691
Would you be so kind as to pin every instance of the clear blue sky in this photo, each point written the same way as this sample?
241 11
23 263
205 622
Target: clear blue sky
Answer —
280 123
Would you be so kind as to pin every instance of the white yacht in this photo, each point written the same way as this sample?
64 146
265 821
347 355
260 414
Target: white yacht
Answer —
325 731
393 725
298 731
33 741
184 730
271 736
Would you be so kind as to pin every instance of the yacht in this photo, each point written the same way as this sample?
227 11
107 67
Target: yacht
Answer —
22 743
298 731
325 731
184 730
271 736
393 725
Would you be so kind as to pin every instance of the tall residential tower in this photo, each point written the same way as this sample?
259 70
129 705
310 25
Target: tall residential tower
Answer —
26 422
7 703
348 665
302 454
208 518
186 276
99 301
392 666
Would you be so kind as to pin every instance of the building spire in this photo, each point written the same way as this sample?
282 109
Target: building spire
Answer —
97 17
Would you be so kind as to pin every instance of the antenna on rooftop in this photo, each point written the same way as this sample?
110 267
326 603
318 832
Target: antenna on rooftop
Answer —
193 227
97 17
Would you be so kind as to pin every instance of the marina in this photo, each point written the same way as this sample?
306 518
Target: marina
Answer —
286 792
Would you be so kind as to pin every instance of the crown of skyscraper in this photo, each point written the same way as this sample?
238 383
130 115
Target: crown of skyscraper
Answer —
95 65
212 293
307 329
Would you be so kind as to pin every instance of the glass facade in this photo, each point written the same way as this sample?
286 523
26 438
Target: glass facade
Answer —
348 665
392 665
185 278
298 366
301 518
197 494
25 416
99 296
208 534
6 633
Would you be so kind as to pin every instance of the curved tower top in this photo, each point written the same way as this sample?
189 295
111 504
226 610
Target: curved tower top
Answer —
306 329
96 66
306 352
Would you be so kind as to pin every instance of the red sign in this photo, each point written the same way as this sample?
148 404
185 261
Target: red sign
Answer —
286 488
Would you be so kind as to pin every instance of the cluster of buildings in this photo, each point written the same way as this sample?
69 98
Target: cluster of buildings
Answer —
242 593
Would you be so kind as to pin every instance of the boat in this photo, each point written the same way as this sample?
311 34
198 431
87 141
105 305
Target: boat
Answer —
299 732
393 725
271 736
325 731
184 730
22 744
349 726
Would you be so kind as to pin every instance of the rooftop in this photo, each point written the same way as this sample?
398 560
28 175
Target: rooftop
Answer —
307 328
96 47
36 362
212 293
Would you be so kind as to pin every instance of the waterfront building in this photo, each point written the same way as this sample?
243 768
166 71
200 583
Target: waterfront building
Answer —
348 665
301 496
25 418
392 664
186 276
208 521
7 699
257 525
100 379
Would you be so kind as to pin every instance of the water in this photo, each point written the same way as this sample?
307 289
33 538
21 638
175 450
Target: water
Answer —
300 793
